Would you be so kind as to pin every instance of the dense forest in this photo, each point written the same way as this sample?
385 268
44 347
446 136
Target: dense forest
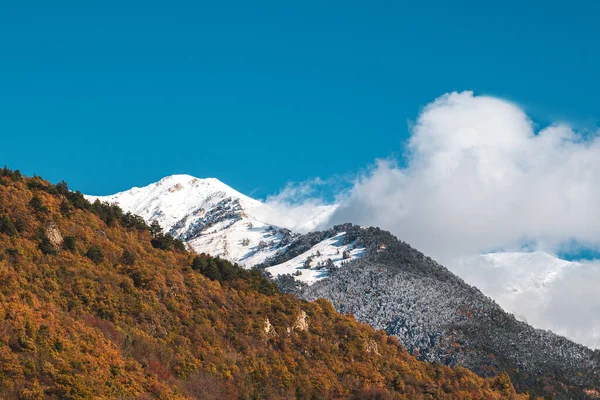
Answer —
95 303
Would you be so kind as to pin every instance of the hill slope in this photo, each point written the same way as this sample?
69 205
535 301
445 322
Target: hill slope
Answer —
440 318
96 304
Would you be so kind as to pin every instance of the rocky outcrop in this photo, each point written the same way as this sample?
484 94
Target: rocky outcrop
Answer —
301 323
269 329
54 235
371 347
175 188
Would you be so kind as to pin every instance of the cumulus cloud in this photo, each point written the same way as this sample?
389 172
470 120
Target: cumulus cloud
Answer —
478 177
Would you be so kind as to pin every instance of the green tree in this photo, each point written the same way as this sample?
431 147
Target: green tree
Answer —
37 205
69 243
199 263
179 245
128 258
46 246
78 201
155 229
95 254
211 271
62 188
7 226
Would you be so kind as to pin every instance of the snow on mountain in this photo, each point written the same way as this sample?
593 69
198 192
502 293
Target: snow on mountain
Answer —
312 265
175 197
516 272
540 289
213 218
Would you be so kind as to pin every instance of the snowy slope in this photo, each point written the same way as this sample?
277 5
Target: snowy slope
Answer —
175 197
211 216
318 257
515 272
540 289
216 219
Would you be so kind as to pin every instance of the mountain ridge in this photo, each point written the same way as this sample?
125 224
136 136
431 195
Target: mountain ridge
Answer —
440 318
94 303
346 265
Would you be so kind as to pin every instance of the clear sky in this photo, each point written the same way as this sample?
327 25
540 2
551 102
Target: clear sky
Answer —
108 95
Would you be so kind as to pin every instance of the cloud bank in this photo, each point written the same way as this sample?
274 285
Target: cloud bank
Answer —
479 177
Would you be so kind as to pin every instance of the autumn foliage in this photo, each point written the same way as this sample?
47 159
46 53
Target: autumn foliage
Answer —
108 315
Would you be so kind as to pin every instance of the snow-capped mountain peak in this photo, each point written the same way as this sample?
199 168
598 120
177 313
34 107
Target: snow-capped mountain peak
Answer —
174 197
215 218
211 216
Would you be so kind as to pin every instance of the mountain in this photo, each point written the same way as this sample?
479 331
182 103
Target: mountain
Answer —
368 273
541 289
440 318
95 304
214 218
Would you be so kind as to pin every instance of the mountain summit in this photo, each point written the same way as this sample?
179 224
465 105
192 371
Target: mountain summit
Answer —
215 218
175 198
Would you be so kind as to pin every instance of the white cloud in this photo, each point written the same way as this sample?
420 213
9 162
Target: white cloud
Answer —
479 177
298 206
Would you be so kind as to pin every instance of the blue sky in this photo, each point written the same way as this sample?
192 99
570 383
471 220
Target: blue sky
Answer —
108 95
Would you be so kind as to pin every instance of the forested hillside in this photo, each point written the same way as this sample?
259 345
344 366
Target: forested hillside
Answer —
96 304
440 318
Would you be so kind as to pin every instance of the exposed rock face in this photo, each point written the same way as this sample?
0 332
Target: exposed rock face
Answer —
175 188
269 329
301 323
54 235
371 347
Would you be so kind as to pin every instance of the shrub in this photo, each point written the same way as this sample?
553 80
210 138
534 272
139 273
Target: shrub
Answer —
94 253
45 246
128 258
7 226
69 243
